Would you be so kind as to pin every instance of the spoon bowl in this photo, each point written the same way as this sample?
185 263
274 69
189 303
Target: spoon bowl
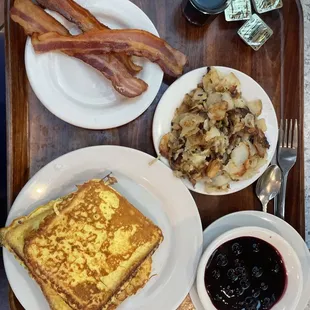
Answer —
268 185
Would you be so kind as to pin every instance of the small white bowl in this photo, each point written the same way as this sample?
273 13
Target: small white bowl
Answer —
291 261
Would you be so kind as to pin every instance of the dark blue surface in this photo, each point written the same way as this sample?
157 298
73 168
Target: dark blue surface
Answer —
2 135
3 204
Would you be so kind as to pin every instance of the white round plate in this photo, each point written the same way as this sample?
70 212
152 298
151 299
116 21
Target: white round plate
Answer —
173 98
268 221
81 95
150 188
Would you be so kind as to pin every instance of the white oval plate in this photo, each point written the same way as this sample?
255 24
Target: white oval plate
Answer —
81 95
268 221
173 98
152 189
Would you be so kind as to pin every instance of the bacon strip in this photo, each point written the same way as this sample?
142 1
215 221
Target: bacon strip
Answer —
121 79
130 41
35 20
78 15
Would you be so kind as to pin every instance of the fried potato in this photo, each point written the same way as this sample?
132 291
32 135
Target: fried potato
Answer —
216 136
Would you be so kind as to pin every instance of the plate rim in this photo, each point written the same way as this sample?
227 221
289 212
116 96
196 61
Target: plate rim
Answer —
7 256
112 122
271 152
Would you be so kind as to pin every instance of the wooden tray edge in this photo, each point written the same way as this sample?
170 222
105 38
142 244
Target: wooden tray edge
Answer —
20 128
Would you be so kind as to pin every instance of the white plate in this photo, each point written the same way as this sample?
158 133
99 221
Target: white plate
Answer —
79 94
268 221
152 189
173 98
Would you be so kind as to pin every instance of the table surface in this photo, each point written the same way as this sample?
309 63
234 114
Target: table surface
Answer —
306 8
307 106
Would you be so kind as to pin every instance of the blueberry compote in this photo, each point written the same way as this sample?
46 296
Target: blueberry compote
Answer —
246 273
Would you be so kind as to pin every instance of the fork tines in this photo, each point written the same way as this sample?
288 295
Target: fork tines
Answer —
289 134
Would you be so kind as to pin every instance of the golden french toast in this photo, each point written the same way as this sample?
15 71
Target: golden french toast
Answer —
91 247
132 285
129 288
13 238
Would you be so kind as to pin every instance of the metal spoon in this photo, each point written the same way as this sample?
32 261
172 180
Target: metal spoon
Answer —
268 185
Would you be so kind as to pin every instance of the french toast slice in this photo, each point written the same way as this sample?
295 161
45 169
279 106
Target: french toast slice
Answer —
131 287
92 247
12 237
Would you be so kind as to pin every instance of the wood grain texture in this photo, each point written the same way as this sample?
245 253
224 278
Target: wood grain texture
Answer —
35 136
16 108
13 302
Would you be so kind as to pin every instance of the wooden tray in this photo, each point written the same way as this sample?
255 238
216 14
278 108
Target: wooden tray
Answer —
35 136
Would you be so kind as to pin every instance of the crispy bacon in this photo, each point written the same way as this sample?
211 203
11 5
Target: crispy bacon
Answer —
130 41
33 19
128 63
78 15
121 79
74 13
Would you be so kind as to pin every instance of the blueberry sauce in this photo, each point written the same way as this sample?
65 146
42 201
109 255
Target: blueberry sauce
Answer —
246 273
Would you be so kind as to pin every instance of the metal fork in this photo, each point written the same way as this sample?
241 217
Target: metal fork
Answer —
287 155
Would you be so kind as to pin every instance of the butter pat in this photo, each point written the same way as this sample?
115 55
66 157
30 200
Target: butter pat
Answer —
255 32
263 6
238 10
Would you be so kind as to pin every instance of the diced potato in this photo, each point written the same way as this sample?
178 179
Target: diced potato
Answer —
190 123
235 172
210 80
212 133
197 160
260 163
218 111
255 107
206 125
238 127
240 103
252 162
252 148
191 93
187 100
199 95
221 180
255 162
249 120
227 97
240 154
261 124
163 146
184 107
213 168
229 83
220 144
230 80
195 140
214 98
